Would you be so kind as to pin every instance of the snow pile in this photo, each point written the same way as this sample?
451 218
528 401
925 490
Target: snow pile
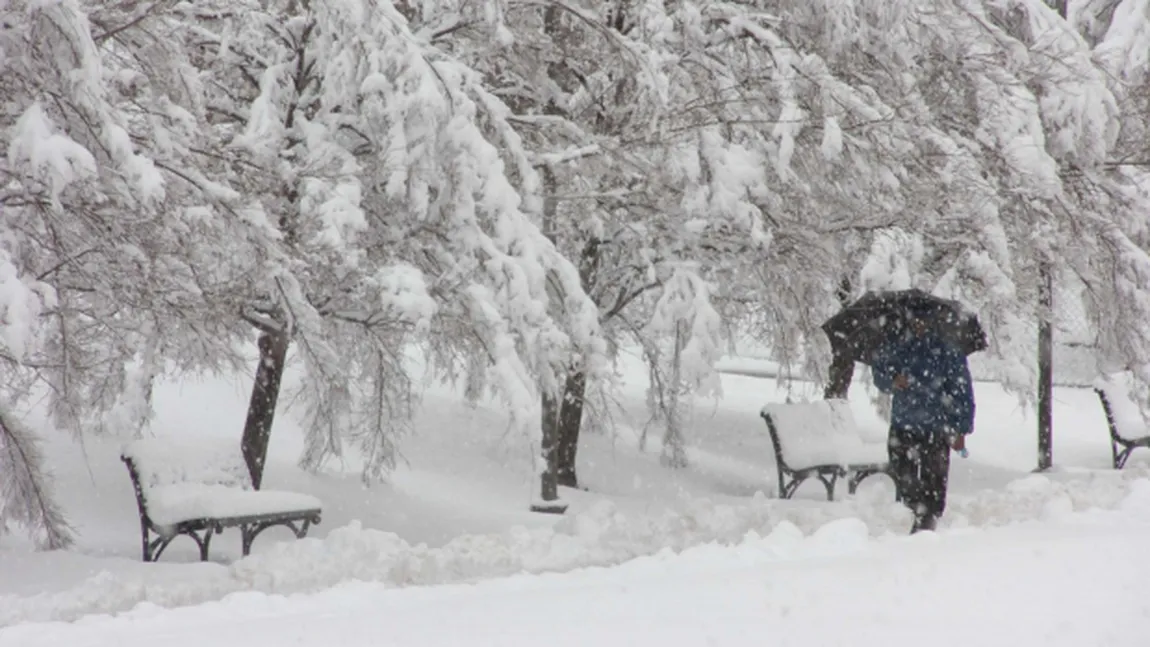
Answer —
600 536
108 592
1137 502
1040 497
1053 584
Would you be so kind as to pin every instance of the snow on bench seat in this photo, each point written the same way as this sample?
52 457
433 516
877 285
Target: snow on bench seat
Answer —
820 439
1127 423
168 505
185 486
822 433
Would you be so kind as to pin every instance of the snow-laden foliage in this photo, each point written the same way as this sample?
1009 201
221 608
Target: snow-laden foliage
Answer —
93 263
682 365
26 487
683 149
100 285
390 201
1091 217
177 175
1008 126
779 147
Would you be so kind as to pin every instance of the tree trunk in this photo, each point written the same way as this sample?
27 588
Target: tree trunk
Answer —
570 422
842 369
548 480
840 378
575 388
1045 368
1046 339
262 407
674 452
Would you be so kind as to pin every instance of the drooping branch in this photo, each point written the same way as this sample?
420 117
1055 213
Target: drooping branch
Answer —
25 488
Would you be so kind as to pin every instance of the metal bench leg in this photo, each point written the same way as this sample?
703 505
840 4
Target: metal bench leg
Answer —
829 484
248 533
1120 458
205 543
854 481
200 543
302 532
160 544
789 490
147 545
247 536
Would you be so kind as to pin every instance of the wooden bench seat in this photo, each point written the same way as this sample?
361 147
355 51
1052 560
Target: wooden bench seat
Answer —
199 488
820 439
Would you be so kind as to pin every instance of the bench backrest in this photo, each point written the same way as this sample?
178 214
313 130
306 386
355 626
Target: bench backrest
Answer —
1118 393
806 434
156 462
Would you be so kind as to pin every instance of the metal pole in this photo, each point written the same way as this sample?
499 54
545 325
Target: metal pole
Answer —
1045 367
1046 340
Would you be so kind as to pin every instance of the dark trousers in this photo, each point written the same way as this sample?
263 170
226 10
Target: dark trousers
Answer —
920 467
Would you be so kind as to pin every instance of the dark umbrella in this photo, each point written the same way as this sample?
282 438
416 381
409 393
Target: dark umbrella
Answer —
861 328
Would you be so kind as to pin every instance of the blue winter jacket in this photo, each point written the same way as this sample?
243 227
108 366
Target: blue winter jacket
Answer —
940 393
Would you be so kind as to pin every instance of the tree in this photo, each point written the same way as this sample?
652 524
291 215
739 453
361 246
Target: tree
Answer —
365 196
1118 35
1020 127
684 150
97 278
25 488
393 204
543 64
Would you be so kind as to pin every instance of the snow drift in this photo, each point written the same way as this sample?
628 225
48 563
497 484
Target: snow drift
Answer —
601 536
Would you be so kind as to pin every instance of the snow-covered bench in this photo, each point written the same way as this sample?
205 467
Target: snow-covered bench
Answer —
199 488
820 439
1128 429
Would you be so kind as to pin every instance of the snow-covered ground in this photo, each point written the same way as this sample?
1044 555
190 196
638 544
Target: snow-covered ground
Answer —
457 512
1071 580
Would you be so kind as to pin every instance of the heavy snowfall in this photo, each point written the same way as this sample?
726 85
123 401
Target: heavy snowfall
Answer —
451 321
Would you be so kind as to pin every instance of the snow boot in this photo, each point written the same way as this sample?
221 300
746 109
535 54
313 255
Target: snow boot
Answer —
924 522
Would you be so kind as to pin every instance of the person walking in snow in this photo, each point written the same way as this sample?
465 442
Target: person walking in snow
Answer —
932 411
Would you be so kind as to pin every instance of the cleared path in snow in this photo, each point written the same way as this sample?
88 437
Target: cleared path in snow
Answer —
1069 582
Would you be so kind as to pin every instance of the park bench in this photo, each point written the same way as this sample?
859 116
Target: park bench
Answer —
199 488
820 439
1128 429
